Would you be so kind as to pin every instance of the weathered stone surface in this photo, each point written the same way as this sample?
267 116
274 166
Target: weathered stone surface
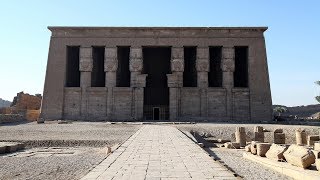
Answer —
318 164
248 148
311 139
276 152
301 137
299 156
232 145
279 138
316 146
206 103
241 136
253 147
262 149
259 136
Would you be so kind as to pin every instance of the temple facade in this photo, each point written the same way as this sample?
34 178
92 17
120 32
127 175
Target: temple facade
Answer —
157 73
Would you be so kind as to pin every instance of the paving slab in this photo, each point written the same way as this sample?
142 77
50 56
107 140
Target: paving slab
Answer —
159 152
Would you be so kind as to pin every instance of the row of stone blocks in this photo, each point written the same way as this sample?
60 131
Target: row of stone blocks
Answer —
10 147
296 155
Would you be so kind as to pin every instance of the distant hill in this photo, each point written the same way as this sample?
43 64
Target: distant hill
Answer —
301 111
4 103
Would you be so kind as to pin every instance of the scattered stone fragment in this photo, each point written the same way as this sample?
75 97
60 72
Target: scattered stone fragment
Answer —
258 129
241 136
232 145
279 138
248 148
276 152
223 140
278 131
316 146
316 153
299 156
318 164
201 145
253 147
262 149
312 139
108 150
40 120
301 137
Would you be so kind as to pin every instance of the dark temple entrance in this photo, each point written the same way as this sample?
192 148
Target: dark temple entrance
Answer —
156 63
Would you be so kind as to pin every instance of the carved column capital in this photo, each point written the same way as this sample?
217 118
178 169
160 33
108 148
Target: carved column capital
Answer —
227 64
110 59
177 59
202 63
85 63
136 63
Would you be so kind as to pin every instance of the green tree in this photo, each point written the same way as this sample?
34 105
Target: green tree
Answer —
318 97
280 109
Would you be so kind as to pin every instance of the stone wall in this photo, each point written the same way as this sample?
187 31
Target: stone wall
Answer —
224 103
9 118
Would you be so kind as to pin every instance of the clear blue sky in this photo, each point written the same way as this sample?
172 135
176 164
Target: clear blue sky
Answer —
293 38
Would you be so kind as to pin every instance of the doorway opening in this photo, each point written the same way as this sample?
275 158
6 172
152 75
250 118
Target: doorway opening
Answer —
156 63
156 113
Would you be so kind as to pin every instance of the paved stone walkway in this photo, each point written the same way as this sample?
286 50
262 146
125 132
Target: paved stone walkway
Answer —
159 152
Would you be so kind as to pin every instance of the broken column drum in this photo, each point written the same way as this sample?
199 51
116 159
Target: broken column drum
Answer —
301 137
157 73
241 136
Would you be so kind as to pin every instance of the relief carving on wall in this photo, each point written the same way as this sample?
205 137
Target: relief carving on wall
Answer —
228 65
177 65
202 65
135 53
202 53
85 64
136 65
110 65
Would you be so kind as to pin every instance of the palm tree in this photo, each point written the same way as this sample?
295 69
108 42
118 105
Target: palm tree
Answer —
280 109
318 97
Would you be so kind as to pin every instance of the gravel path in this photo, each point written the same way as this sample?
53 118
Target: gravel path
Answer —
243 167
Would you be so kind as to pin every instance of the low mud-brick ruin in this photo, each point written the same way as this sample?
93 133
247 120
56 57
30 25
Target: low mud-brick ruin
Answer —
157 73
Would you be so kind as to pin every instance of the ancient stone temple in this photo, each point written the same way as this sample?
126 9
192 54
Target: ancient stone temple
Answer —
157 73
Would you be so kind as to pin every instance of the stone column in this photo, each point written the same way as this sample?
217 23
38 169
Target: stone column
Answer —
203 66
175 82
85 67
110 68
137 82
227 67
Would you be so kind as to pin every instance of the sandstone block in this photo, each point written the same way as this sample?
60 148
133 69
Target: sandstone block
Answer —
11 147
258 129
316 153
311 139
301 137
253 147
318 164
278 131
279 138
276 152
241 136
262 149
248 148
299 156
316 146
259 136
232 145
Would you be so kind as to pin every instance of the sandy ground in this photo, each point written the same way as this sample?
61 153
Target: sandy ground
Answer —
97 134
78 155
